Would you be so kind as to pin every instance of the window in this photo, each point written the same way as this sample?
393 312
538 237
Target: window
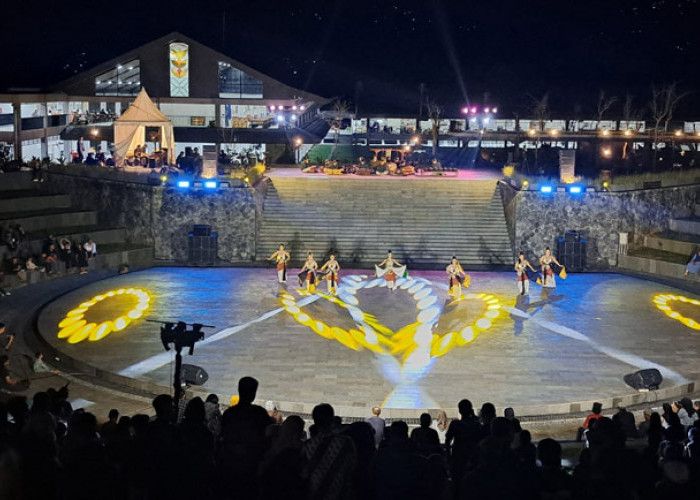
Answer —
235 83
123 79
179 70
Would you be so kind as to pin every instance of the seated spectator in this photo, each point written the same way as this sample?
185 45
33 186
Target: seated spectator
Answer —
525 451
643 427
625 420
273 412
32 266
6 339
7 381
425 439
90 160
594 415
18 269
441 423
553 481
40 366
328 458
509 414
100 156
213 414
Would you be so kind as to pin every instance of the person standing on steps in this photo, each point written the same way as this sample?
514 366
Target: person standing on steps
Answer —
389 268
521 267
281 256
333 268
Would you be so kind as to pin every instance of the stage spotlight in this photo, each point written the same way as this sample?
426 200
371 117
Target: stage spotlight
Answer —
474 110
225 185
272 108
606 184
465 110
494 110
294 108
525 184
487 110
210 184
302 108
575 189
183 184
546 189
280 118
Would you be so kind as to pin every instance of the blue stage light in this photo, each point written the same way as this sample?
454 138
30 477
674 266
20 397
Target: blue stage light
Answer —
545 189
575 189
210 184
183 184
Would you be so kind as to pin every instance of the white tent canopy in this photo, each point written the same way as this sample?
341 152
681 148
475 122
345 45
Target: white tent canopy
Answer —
130 128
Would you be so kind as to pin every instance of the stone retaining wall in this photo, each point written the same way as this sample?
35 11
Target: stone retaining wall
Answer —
163 217
600 216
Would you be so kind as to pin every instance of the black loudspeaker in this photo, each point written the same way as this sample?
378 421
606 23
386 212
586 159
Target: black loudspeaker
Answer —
201 230
152 134
203 249
572 254
194 375
649 379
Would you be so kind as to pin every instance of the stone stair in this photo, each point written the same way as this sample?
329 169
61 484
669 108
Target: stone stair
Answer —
41 214
423 221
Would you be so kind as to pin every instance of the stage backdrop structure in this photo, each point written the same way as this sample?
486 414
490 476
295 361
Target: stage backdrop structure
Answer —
131 128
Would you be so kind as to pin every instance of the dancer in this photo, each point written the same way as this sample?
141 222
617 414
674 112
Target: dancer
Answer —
281 256
389 268
521 267
457 277
308 273
546 261
332 266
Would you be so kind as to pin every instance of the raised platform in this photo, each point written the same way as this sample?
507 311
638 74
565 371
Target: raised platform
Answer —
553 352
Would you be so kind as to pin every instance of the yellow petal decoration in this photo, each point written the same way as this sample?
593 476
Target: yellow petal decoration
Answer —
77 327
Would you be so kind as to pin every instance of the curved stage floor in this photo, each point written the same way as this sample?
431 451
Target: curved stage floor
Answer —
552 352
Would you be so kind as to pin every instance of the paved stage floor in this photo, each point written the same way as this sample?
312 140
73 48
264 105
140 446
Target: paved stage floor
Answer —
408 349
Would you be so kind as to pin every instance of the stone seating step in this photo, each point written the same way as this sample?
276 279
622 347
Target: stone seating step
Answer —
689 225
14 181
654 266
49 219
30 201
670 245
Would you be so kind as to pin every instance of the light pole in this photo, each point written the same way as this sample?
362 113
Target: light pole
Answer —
298 143
480 118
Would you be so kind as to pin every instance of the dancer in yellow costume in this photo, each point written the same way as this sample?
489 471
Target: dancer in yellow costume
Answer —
457 277
333 267
308 273
281 256
390 269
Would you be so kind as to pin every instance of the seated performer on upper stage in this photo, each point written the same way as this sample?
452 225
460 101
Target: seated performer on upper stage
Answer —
521 267
308 273
281 256
546 261
457 276
332 266
390 268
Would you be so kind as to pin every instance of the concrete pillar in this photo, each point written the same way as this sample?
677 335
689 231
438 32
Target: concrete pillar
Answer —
17 128
217 114
45 138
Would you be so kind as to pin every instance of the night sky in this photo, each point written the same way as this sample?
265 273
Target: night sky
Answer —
491 52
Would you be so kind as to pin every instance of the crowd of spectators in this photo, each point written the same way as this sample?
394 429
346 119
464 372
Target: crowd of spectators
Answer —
56 255
193 450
